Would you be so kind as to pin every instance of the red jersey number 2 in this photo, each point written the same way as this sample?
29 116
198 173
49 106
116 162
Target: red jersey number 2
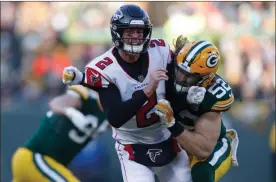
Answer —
104 63
141 116
157 42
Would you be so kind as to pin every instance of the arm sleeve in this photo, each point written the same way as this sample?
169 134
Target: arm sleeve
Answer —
118 111
177 100
169 84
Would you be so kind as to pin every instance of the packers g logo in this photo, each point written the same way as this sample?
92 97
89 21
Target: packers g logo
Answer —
212 61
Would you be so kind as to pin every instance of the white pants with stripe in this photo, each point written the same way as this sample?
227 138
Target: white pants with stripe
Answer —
176 171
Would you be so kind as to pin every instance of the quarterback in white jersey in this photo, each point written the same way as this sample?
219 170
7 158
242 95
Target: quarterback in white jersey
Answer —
144 126
130 78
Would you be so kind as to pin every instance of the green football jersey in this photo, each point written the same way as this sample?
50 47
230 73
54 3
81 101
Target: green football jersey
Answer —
218 98
61 139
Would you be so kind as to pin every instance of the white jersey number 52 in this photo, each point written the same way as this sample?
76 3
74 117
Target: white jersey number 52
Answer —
219 89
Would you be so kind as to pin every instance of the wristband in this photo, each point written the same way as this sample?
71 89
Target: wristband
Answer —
176 129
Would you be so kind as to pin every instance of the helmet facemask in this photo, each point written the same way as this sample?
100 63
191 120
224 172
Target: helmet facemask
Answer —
184 80
137 46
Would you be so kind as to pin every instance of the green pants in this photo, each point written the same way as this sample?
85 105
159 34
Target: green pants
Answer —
215 166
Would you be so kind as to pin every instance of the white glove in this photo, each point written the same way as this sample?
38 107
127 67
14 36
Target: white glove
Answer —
164 110
81 121
196 95
71 76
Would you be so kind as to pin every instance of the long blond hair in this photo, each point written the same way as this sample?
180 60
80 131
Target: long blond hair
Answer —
181 41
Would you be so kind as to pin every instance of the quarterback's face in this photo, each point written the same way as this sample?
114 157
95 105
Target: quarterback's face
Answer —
133 36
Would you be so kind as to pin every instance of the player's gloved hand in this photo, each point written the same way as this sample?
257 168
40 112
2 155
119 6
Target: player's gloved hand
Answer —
196 95
71 75
82 122
164 110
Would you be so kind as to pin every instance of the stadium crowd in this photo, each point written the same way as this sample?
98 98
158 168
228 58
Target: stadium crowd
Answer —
38 39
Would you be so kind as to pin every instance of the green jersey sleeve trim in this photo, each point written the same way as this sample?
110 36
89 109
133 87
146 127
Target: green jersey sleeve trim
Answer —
223 105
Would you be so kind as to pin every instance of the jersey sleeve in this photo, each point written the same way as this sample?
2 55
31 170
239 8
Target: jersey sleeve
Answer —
97 72
223 104
95 78
218 98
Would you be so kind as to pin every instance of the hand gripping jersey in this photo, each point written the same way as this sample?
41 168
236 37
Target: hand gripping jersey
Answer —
59 138
145 126
218 98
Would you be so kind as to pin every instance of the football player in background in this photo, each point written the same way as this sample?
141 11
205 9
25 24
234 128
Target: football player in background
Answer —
75 117
198 127
130 78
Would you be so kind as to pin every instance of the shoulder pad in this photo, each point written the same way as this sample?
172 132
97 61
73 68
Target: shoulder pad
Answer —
85 93
81 90
163 46
219 96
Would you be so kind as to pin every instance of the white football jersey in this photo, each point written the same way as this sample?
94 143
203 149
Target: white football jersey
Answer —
145 126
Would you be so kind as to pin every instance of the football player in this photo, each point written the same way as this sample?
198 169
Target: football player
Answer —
130 78
75 117
198 127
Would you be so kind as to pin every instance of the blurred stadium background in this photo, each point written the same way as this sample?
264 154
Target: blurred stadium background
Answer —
38 39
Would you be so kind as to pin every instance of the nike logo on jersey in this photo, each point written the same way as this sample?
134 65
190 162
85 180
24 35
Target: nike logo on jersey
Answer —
153 153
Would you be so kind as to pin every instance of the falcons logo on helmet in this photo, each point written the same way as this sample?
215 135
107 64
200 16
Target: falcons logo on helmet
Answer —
153 153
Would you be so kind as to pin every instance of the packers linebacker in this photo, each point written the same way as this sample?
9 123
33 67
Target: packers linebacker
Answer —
75 117
198 127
